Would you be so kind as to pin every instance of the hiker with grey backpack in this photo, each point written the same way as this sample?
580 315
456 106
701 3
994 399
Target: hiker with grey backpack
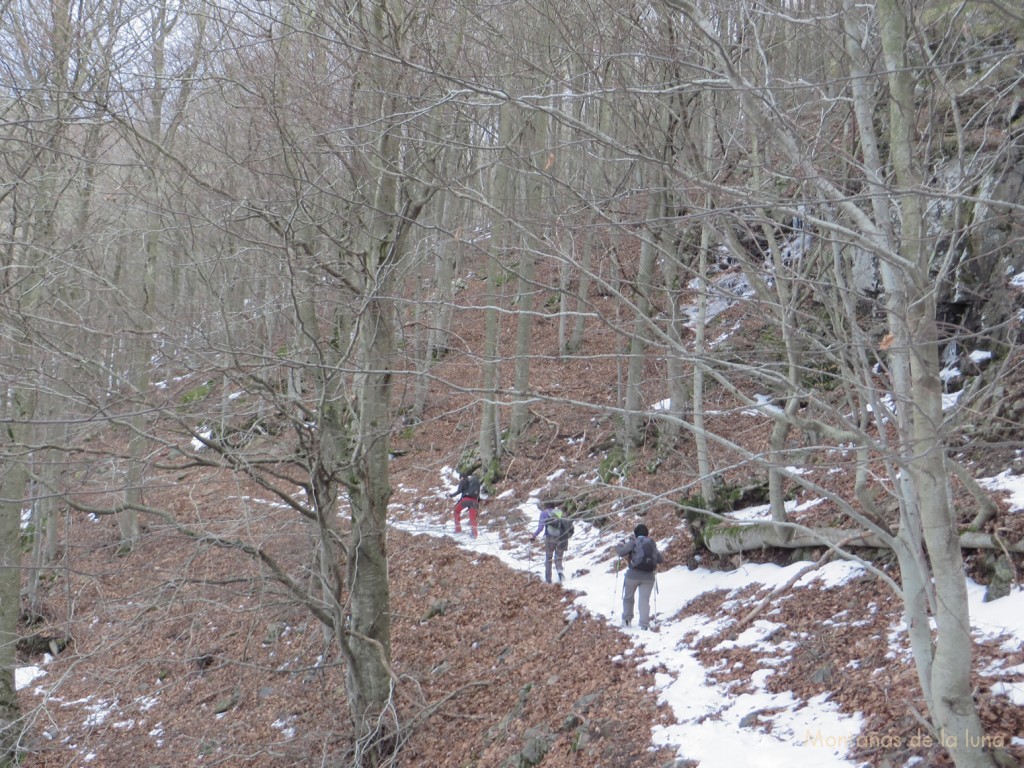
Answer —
558 529
643 559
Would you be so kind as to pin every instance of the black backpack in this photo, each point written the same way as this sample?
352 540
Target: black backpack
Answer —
472 487
644 555
558 526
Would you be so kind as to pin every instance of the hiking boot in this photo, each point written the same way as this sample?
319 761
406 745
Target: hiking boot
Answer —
561 577
644 627
625 622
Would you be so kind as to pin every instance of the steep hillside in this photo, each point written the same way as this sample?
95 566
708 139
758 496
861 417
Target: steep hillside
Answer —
184 656
184 652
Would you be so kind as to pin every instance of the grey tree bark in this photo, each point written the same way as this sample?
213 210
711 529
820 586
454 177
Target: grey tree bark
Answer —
633 427
534 151
18 406
919 470
502 185
914 324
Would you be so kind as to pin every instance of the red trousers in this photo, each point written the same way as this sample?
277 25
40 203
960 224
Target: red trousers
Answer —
470 504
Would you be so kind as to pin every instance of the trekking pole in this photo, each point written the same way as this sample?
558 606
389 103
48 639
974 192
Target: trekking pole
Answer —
615 585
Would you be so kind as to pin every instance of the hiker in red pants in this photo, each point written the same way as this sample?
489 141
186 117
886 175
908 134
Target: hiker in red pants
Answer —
469 499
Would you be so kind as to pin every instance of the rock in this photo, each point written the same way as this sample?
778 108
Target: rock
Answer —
228 702
572 721
273 633
437 608
581 740
1002 580
538 744
822 674
1004 759
586 702
750 719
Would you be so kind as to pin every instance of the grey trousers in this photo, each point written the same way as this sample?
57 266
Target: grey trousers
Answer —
630 585
553 551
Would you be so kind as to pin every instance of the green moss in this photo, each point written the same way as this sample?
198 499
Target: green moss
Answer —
723 528
614 466
824 377
198 393
28 535
704 517
585 507
491 474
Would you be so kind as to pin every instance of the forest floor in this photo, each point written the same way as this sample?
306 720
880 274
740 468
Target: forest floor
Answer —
182 653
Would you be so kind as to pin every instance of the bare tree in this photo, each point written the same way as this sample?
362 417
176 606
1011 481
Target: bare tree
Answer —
253 181
918 454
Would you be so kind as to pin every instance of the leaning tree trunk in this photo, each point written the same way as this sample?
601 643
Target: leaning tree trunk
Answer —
914 577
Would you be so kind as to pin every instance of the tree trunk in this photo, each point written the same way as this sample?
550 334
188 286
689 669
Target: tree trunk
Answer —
369 683
534 148
368 674
633 417
671 416
952 703
706 139
581 303
565 245
700 436
490 421
19 408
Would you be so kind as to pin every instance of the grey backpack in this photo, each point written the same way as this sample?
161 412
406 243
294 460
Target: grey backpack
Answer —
644 555
559 527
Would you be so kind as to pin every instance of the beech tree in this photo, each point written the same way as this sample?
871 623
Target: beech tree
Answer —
917 455
337 202
36 124
253 180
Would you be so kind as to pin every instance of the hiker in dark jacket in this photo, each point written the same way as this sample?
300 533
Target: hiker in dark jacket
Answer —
643 558
557 530
469 499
